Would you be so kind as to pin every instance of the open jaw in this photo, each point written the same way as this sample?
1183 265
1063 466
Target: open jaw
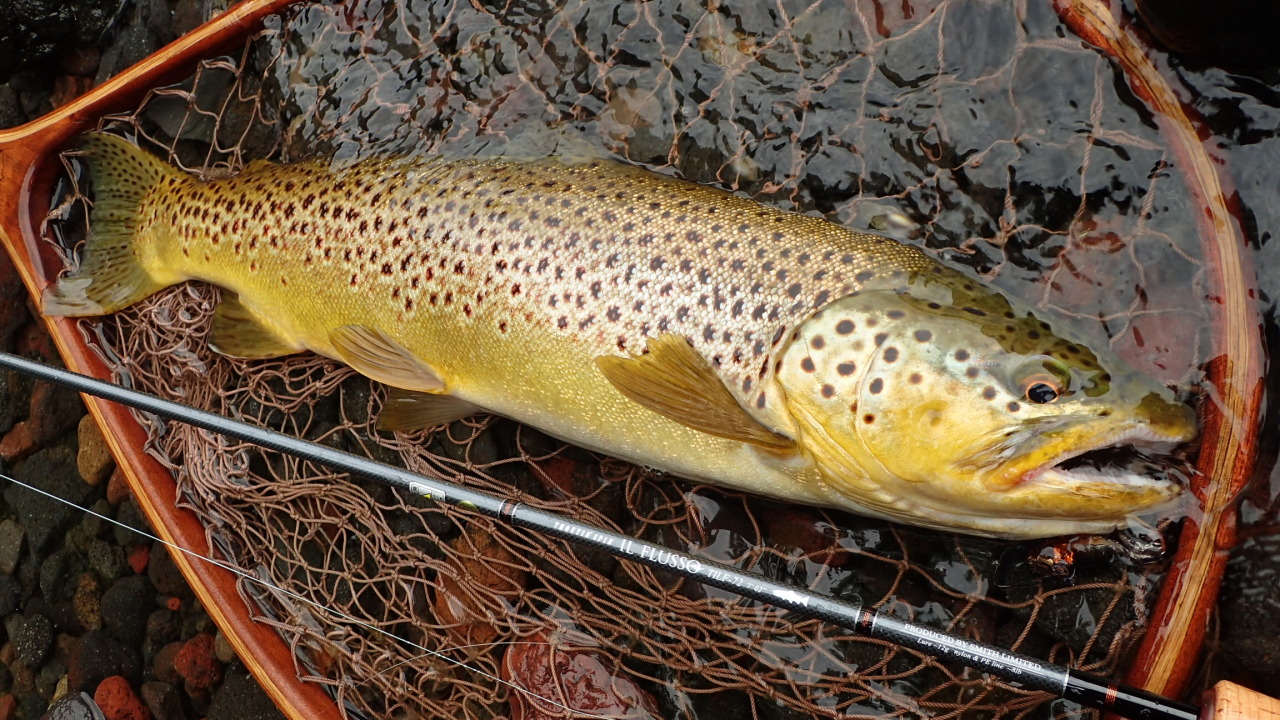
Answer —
1120 459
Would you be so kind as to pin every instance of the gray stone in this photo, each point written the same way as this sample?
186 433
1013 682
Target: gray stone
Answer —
163 700
51 673
11 535
54 471
130 515
10 595
32 640
58 575
107 560
125 607
241 698
78 706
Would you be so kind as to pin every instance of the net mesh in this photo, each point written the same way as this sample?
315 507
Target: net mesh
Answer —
980 130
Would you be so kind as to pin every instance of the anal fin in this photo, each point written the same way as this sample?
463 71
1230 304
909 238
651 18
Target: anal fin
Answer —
375 355
240 332
406 410
675 381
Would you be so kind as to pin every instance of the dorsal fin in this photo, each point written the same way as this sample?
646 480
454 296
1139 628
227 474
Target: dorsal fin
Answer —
375 355
675 381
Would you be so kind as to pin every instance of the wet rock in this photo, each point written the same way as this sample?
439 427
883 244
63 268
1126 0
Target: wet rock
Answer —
139 558
36 30
31 705
163 700
1076 617
45 519
222 648
58 575
241 698
96 657
76 706
32 639
163 627
94 459
1248 608
87 602
53 411
10 595
118 700
585 680
129 514
164 665
117 488
11 535
47 680
10 114
92 526
488 563
105 559
165 575
125 607
198 666
64 645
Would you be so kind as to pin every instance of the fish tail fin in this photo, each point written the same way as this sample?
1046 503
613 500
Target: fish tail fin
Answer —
112 274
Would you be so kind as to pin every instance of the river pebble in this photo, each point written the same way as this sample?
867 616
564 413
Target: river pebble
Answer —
94 457
32 638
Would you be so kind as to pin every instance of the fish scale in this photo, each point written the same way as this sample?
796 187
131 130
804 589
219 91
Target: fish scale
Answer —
673 325
599 252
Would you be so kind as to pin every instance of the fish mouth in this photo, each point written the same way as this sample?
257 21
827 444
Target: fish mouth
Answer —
1122 458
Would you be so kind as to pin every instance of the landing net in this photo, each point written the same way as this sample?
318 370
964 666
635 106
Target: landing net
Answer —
983 131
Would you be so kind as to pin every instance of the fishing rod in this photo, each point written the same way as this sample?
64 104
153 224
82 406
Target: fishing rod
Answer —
1029 673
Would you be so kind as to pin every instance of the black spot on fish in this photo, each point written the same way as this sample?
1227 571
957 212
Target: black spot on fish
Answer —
924 335
845 327
828 391
760 401
807 364
868 418
971 372
818 342
880 338
846 368
962 355
989 393
1014 407
876 386
896 314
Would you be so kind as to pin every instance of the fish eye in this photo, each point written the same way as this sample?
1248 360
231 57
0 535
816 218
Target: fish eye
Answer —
1041 389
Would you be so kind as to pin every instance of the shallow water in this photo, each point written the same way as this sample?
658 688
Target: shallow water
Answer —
986 133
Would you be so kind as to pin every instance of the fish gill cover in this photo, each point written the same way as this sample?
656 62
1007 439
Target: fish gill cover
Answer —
983 132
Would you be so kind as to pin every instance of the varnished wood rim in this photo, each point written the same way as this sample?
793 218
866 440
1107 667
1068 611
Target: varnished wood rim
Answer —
1170 651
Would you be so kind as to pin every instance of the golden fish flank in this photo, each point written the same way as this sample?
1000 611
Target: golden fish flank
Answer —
673 325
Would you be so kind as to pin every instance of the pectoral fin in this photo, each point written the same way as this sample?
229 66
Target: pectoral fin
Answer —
675 381
406 410
240 332
375 355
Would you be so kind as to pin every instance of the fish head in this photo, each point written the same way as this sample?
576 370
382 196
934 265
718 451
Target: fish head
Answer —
956 410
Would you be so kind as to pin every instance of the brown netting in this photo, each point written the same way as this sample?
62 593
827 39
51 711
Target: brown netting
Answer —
980 130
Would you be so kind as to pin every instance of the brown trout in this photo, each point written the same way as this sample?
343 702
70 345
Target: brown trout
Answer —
676 326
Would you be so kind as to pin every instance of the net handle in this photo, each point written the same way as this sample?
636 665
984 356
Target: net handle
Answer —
1229 701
